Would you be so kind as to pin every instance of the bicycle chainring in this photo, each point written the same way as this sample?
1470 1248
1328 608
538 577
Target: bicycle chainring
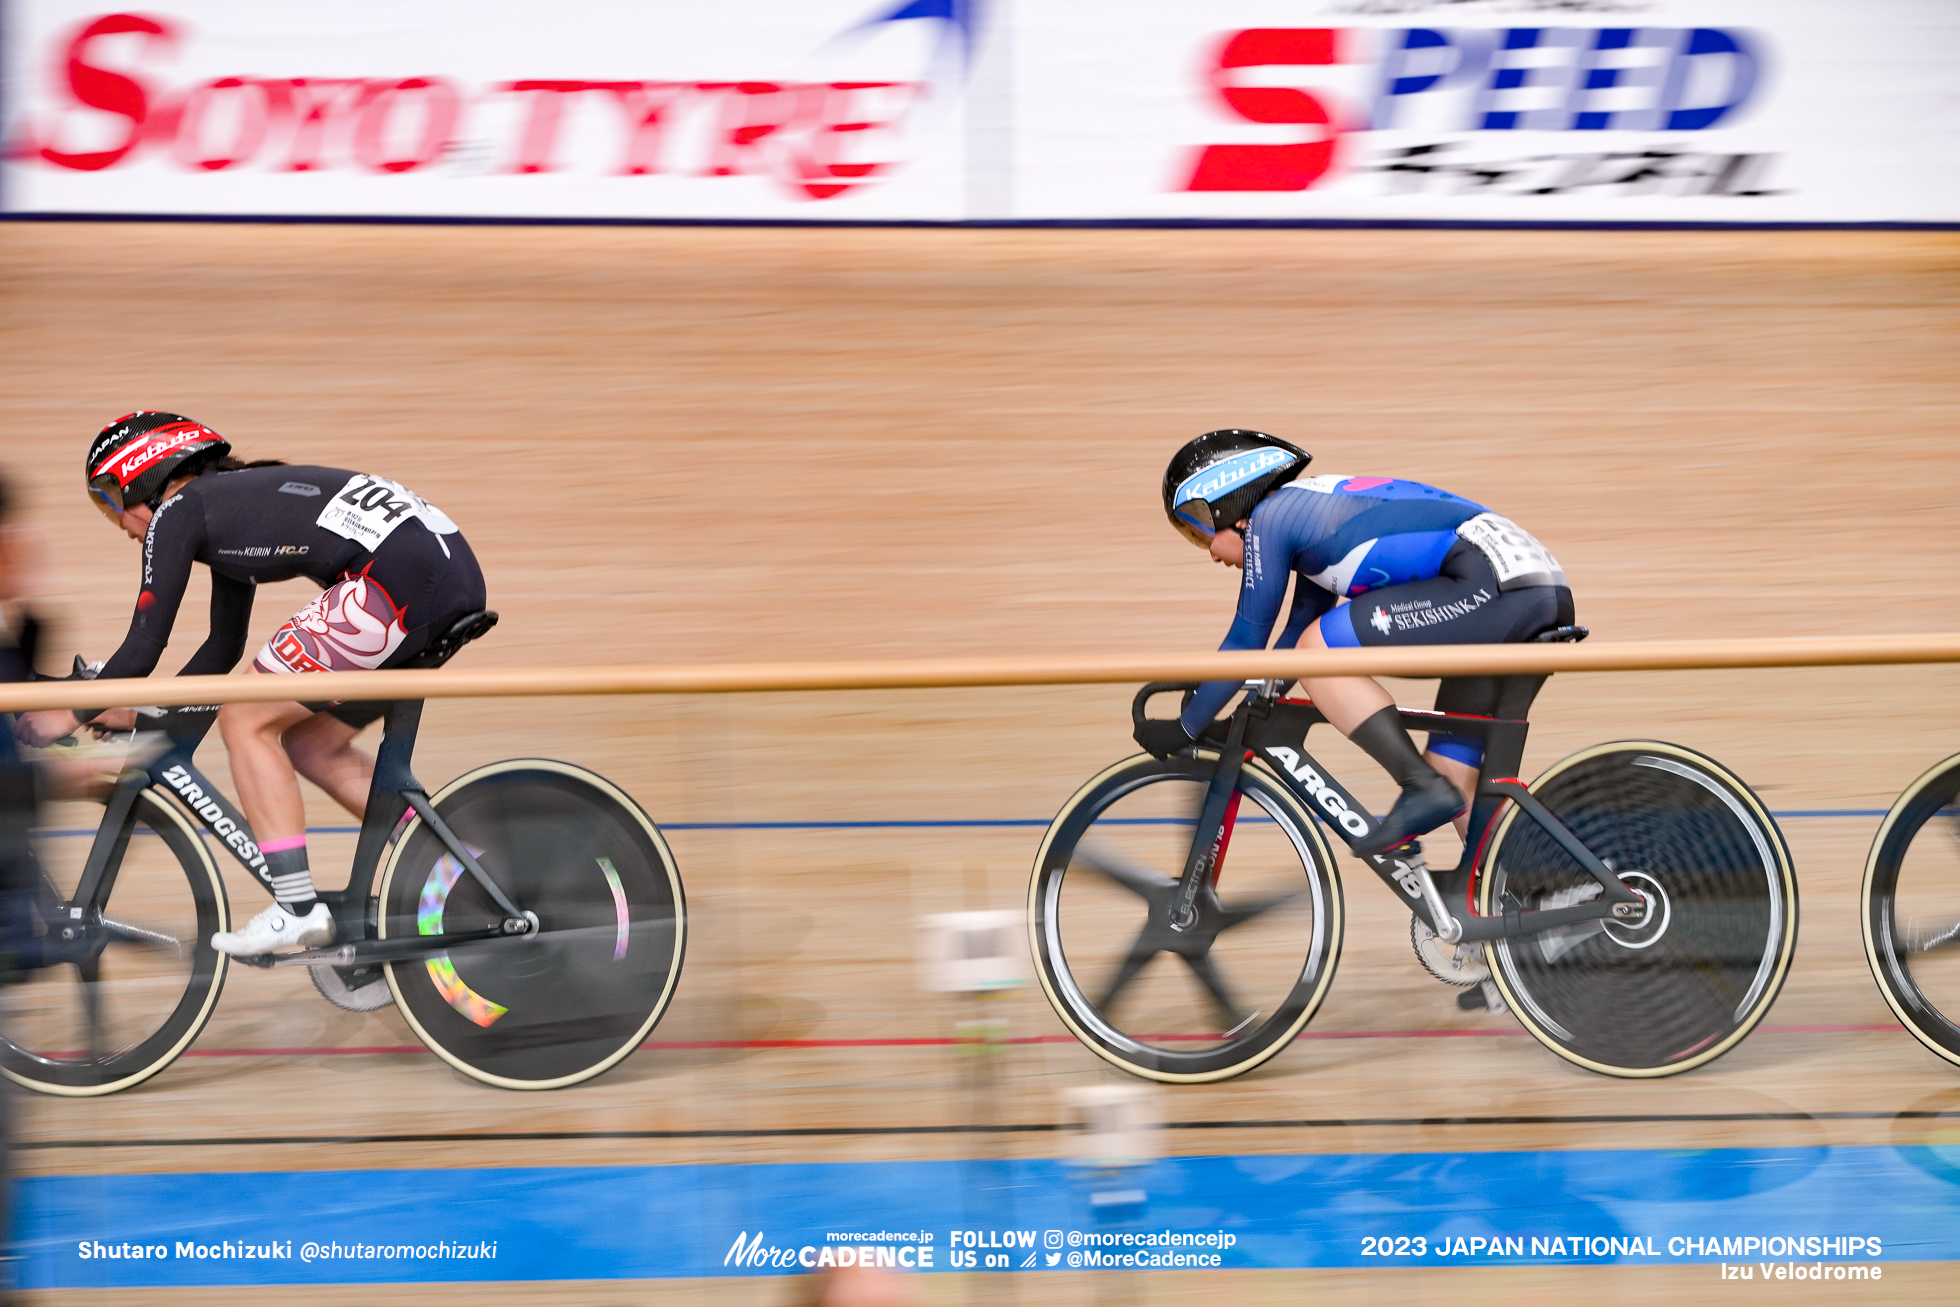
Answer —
357 989
1453 964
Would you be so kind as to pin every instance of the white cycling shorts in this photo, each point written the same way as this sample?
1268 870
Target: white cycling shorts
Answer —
352 627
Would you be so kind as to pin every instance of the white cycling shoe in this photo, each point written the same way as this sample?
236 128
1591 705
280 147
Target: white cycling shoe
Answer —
275 930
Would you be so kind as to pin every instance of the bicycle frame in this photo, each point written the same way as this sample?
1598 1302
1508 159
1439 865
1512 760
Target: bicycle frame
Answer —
393 791
1275 730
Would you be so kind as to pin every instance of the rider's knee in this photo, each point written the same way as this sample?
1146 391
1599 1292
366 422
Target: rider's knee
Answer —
313 750
304 751
239 724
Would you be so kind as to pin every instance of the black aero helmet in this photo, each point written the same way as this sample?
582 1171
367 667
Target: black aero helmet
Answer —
133 458
1216 479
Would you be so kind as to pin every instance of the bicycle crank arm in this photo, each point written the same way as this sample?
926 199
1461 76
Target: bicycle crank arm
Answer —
366 951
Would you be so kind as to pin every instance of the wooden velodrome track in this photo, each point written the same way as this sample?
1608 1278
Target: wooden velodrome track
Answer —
676 445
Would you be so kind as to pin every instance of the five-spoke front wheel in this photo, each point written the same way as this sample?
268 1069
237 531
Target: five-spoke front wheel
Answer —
1220 990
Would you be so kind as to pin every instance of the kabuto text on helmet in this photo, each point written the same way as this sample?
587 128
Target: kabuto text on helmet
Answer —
1214 480
136 456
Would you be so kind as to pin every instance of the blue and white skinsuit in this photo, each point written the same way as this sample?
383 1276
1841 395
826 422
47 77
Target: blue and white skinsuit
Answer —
1417 566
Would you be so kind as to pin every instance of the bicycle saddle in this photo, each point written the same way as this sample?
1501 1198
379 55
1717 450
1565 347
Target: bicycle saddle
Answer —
1557 635
463 630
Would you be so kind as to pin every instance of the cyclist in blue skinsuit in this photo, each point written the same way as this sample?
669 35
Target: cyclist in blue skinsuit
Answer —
1416 565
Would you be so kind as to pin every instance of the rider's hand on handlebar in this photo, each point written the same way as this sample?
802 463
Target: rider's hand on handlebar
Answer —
114 722
1163 737
40 729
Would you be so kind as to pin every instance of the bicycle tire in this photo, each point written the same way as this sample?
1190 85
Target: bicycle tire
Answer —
583 991
1922 992
1671 992
165 978
1294 972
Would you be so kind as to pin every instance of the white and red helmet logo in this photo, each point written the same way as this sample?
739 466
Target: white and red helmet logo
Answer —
132 461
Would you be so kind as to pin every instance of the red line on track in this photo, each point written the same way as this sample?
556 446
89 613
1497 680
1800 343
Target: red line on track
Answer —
683 1045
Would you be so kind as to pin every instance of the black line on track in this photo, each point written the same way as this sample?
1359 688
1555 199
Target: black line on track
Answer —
1036 1127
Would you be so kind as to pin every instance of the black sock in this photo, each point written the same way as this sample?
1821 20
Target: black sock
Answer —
291 879
1381 736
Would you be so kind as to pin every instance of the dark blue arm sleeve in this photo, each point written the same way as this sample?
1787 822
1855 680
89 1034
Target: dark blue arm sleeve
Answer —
1310 602
1259 599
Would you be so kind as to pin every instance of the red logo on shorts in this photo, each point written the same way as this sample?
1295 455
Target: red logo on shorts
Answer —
352 626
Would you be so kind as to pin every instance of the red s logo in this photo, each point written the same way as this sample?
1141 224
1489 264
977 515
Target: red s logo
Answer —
1292 167
111 92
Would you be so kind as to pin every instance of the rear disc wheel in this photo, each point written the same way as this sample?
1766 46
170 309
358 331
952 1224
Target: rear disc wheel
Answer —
1687 980
585 987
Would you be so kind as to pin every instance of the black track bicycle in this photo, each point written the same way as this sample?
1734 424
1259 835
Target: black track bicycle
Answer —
527 919
1635 906
1910 908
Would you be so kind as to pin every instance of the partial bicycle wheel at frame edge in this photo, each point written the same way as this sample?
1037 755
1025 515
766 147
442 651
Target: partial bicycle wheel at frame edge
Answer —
581 992
1234 987
125 995
1910 908
1689 979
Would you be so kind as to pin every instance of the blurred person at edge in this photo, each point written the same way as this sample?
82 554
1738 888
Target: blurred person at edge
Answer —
1434 568
19 634
395 574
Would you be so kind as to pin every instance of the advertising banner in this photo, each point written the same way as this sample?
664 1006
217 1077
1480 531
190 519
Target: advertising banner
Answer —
1613 111
758 109
1490 110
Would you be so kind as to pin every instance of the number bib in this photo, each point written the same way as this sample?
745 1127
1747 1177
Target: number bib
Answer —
368 509
1517 558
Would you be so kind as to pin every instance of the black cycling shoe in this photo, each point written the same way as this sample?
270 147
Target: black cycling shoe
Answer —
1417 811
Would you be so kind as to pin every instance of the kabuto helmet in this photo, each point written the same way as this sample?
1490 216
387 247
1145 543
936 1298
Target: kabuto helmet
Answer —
133 458
1214 480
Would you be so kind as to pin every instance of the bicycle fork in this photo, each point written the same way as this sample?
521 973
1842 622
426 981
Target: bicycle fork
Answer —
1216 817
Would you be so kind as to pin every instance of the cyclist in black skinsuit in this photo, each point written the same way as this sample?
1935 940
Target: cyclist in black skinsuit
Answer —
396 573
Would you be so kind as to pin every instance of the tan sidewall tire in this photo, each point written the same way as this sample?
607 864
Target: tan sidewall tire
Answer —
1786 878
1336 922
1885 827
668 864
153 808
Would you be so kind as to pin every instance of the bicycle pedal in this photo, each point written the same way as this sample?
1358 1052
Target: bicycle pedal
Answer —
1471 999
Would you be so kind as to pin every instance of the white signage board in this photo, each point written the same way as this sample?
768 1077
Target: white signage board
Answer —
759 109
1490 110
1598 111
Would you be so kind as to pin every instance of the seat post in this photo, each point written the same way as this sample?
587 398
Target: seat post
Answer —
1515 695
385 804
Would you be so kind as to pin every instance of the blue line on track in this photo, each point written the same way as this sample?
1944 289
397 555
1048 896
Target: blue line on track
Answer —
1300 1210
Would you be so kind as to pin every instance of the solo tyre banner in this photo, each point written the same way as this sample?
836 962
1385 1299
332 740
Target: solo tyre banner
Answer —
1592 111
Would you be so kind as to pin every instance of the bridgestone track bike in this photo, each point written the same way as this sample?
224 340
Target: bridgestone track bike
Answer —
1635 906
528 919
1910 908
